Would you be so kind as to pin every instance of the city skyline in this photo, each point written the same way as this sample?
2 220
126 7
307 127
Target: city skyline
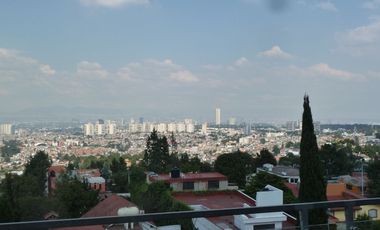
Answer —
172 60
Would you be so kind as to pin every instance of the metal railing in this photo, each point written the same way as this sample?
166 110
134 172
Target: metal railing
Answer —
302 208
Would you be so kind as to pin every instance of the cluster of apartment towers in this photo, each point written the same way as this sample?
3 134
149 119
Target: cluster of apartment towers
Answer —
186 126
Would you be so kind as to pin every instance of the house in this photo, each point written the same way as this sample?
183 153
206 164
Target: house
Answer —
92 177
355 182
53 173
191 181
337 190
96 183
289 174
237 199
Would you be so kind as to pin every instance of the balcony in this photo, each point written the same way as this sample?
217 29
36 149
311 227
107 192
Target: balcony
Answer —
302 208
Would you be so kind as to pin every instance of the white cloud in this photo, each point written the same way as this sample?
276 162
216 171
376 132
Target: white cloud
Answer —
114 3
362 35
275 52
7 53
372 5
184 76
241 61
14 65
324 70
91 69
327 6
47 70
362 40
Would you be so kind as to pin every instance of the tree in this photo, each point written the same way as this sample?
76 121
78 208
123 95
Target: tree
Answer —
290 160
194 164
37 167
156 154
363 222
265 157
117 165
228 164
10 148
374 178
173 145
76 197
276 150
336 159
157 198
313 185
262 179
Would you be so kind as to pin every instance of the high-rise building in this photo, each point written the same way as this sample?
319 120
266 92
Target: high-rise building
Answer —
217 116
111 128
88 129
204 128
181 127
6 129
99 129
232 121
161 127
190 128
172 127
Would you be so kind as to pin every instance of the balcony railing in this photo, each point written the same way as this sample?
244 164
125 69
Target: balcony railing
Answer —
302 208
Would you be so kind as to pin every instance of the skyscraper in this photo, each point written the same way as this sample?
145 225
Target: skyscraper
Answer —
217 116
6 129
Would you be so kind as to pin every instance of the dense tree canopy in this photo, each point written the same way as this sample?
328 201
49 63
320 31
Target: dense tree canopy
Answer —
265 157
156 155
290 160
158 198
336 160
22 196
374 178
37 167
76 197
10 148
236 166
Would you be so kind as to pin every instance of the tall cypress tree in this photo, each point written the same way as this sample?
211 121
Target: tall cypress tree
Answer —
313 185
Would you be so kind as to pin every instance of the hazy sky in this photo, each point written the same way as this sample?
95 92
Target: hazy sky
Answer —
168 58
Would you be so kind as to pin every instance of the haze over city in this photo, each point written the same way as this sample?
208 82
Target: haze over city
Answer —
176 59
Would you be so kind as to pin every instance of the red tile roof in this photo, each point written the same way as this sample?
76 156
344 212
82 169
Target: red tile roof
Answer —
57 169
107 207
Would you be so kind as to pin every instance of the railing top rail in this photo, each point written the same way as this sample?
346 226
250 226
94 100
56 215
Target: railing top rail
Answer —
45 224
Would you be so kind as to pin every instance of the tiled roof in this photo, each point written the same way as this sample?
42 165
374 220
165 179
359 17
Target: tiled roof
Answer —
109 206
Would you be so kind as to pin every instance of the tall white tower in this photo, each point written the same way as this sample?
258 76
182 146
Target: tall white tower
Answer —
217 116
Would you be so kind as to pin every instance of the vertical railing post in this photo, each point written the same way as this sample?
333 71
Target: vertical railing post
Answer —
349 214
304 219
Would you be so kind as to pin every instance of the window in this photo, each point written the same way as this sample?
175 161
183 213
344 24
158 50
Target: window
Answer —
188 185
372 213
213 184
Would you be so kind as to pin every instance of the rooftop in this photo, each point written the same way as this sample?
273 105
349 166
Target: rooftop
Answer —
217 200
188 177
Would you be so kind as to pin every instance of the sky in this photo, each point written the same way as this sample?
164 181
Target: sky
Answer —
169 59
